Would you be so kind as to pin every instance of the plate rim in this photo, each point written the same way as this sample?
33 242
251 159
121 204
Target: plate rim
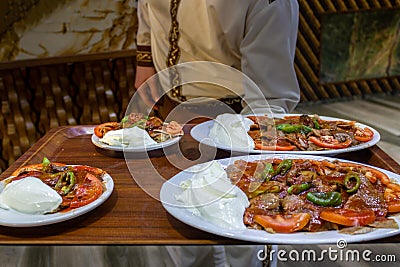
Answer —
33 220
96 141
260 236
196 131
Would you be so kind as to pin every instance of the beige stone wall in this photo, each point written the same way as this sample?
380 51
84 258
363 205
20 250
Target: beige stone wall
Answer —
69 27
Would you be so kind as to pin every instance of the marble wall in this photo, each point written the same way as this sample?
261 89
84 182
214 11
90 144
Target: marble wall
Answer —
48 28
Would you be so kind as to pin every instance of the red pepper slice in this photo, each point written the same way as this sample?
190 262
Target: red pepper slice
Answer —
335 145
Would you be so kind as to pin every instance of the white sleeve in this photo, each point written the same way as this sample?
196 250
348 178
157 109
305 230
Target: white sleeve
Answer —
144 55
143 32
268 50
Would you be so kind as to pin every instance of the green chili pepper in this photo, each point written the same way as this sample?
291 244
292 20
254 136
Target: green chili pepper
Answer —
66 182
316 124
45 163
293 128
326 199
284 166
139 123
124 119
264 188
69 178
274 189
298 188
266 174
60 180
349 180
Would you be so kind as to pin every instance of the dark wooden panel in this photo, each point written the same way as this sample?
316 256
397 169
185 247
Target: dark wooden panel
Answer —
38 95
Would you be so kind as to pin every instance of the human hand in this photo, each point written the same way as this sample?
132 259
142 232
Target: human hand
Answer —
146 86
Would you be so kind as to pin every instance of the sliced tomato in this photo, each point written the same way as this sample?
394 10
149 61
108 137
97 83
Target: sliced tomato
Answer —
93 170
333 145
283 223
348 217
363 135
393 207
260 146
392 198
87 192
33 168
100 130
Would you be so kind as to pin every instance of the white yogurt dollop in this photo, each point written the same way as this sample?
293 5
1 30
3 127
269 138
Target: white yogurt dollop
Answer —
210 194
29 195
128 137
231 130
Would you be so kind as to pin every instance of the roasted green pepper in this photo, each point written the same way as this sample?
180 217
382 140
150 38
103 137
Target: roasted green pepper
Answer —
316 124
352 182
140 123
60 180
293 128
298 188
284 166
66 182
266 174
326 199
45 163
70 178
264 188
274 189
125 119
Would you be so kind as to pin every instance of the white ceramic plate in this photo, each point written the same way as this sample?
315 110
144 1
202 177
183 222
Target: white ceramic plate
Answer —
17 219
201 133
171 188
96 141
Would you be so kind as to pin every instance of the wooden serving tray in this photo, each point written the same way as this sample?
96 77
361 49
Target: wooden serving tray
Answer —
131 215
